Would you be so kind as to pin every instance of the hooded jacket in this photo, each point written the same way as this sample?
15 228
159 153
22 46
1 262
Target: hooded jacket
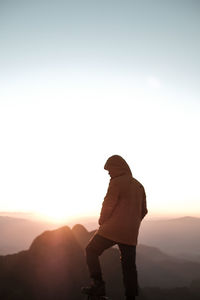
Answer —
124 205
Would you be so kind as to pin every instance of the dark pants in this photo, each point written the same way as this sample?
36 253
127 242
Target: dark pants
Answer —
96 247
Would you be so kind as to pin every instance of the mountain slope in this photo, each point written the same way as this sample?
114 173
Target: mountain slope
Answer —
52 268
180 237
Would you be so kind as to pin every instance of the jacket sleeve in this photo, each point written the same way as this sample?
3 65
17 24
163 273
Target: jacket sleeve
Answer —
144 206
110 202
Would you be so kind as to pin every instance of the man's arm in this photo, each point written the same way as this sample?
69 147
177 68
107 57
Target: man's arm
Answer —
110 201
144 205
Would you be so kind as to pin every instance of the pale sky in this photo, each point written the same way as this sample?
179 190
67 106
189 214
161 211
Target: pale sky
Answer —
83 80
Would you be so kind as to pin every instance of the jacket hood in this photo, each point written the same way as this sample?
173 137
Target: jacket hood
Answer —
118 162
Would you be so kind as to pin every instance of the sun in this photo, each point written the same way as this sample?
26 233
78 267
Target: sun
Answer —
55 214
60 213
52 215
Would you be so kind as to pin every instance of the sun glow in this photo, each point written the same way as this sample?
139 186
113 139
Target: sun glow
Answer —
53 215
58 213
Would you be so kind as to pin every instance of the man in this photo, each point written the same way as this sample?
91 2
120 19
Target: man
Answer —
123 209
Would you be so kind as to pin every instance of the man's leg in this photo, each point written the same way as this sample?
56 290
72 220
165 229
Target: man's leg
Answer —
94 249
128 257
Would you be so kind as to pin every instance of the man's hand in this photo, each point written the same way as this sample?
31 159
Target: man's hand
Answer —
110 202
100 222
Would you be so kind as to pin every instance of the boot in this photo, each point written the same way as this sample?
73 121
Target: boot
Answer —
97 288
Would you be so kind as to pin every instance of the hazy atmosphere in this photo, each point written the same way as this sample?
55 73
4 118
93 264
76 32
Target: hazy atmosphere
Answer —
83 80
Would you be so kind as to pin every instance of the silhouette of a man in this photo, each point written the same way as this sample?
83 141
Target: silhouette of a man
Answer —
123 209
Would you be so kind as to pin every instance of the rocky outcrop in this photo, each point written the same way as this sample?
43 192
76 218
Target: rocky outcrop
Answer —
82 235
53 268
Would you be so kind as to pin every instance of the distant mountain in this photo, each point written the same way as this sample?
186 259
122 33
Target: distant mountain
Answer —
177 237
17 230
16 234
180 237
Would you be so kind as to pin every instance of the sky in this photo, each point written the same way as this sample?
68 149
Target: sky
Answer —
83 80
